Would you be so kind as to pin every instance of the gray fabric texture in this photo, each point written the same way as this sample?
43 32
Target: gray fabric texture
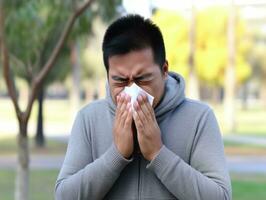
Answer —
190 166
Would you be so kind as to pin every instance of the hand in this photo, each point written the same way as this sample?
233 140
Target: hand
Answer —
122 131
149 134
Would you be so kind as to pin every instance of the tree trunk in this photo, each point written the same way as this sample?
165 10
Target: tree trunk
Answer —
245 96
215 95
75 87
22 178
263 92
230 76
39 138
193 82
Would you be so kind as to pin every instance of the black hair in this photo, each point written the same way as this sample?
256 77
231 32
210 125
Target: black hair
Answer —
133 32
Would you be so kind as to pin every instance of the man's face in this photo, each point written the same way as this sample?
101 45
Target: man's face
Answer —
139 67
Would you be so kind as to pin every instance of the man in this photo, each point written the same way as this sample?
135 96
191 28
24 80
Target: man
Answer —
171 149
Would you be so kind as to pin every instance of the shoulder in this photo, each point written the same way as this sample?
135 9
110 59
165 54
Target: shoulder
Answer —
196 105
94 107
196 110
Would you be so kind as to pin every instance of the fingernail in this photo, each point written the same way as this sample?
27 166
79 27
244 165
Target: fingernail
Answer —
126 97
143 96
134 114
135 105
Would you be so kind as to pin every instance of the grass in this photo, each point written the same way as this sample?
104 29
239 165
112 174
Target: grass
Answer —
8 146
252 121
58 118
248 122
248 187
42 183
235 148
245 186
61 107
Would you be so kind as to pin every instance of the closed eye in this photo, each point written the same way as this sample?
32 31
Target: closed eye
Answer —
119 79
143 78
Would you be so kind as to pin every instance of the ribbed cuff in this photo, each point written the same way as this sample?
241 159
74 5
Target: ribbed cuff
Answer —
162 161
113 160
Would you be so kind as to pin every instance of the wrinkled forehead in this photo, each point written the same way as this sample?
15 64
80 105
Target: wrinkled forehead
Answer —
134 62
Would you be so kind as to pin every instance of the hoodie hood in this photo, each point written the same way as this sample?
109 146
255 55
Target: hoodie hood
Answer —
173 96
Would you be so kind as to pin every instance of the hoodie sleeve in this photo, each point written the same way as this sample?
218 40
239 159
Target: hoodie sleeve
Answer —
81 177
206 177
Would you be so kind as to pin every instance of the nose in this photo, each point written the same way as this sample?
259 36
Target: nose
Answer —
130 82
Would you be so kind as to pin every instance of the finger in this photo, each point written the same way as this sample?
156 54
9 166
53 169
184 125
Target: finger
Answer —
126 107
140 113
123 117
122 113
142 102
146 107
138 123
128 120
118 100
123 104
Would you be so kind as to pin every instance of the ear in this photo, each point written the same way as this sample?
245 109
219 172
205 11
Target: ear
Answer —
165 70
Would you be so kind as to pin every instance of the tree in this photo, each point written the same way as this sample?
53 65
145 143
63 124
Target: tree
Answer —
105 11
212 47
91 60
175 30
210 59
230 77
193 82
217 63
58 73
22 181
45 19
257 59
52 16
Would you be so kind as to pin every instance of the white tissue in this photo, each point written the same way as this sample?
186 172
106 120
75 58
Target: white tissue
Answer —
134 90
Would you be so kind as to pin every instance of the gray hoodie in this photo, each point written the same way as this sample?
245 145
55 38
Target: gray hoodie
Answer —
190 165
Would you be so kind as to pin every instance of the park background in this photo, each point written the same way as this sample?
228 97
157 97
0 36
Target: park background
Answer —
218 46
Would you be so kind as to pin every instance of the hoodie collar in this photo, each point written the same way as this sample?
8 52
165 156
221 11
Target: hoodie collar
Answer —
173 95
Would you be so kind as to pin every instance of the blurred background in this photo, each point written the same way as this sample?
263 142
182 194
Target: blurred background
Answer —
219 46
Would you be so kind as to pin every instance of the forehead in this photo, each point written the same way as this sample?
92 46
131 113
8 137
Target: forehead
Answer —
133 62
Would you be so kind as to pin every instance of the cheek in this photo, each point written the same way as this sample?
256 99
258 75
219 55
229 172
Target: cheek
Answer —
115 91
156 91
148 89
153 88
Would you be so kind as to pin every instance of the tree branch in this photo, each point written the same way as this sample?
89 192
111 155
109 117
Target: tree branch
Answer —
6 67
49 64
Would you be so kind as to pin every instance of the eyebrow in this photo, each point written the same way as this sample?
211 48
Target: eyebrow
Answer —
120 78
143 76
